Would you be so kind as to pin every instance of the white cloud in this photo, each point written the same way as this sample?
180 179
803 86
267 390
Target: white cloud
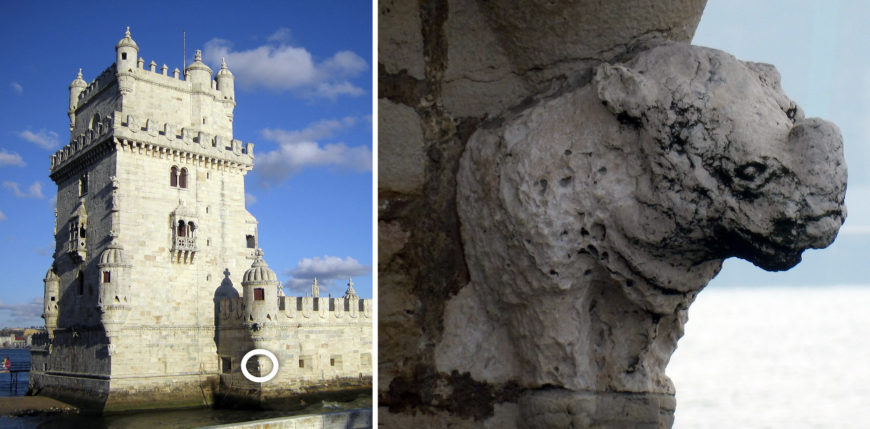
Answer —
44 139
250 199
333 90
299 149
33 191
282 35
23 315
282 67
7 158
17 88
328 270
2 216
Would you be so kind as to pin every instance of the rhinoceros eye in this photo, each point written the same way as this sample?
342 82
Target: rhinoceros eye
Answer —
750 171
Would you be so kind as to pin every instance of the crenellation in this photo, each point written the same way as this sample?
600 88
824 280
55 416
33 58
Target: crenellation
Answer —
196 142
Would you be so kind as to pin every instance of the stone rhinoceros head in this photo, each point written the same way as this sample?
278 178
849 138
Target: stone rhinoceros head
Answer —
724 134
591 219
654 172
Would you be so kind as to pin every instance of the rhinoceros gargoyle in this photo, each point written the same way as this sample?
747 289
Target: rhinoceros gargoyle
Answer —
591 220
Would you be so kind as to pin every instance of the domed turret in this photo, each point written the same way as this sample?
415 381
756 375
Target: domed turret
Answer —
350 293
198 73
113 256
259 272
50 301
75 89
114 279
226 82
127 52
259 289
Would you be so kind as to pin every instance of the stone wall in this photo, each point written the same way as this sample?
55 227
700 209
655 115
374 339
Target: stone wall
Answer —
326 349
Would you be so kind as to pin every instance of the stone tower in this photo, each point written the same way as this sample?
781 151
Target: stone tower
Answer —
151 222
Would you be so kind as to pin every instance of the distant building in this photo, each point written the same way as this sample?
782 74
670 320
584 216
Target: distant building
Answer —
158 287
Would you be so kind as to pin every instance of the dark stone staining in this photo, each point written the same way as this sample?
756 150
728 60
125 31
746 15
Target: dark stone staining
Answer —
568 152
565 181
750 171
599 231
432 263
469 398
401 87
628 120
542 184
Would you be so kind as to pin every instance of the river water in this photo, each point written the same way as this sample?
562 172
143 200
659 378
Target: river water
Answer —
775 357
20 358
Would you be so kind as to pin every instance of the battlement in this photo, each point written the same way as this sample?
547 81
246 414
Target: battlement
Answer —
104 80
297 309
163 137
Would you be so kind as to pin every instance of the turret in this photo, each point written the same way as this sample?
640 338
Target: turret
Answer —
50 301
127 52
226 82
350 293
114 303
75 89
259 285
198 73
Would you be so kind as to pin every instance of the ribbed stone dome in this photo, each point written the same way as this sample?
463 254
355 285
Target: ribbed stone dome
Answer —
224 71
50 276
259 272
113 255
127 41
78 82
197 63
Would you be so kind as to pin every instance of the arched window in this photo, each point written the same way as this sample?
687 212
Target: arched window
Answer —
173 176
95 122
182 231
83 184
182 179
191 227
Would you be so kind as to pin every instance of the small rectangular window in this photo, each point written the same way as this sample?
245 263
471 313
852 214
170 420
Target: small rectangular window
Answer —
301 363
226 365
331 362
251 241
258 294
52 298
123 55
107 277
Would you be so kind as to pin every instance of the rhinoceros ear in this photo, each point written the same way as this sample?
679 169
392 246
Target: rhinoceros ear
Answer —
623 90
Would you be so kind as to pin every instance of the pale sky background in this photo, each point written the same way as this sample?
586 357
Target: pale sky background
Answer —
303 89
792 354
822 51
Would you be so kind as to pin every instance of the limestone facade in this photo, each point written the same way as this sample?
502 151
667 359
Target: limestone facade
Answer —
152 241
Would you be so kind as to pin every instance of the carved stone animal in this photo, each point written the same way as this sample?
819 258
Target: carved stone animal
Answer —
591 219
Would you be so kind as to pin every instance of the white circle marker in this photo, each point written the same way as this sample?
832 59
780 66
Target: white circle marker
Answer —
268 376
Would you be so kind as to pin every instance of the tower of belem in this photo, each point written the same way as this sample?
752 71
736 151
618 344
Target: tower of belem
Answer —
158 286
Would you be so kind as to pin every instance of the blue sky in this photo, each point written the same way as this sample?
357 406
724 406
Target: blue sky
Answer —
304 97
820 49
